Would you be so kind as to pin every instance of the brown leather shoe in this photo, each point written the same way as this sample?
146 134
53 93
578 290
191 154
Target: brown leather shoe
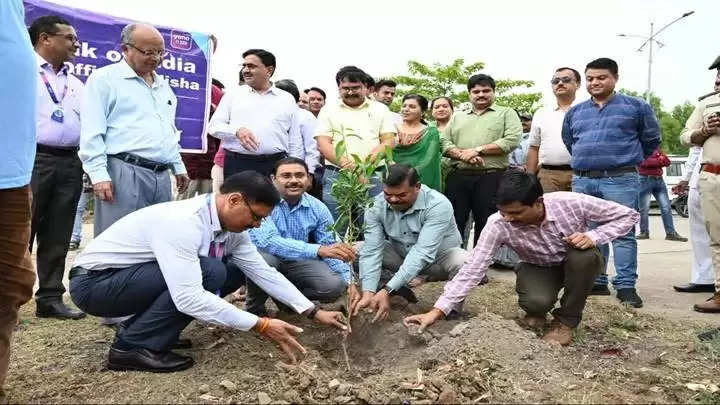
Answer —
712 305
532 322
559 333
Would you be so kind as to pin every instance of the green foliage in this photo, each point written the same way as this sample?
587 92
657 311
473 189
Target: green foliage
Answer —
451 81
671 123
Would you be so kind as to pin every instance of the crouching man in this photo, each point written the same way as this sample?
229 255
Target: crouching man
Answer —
410 237
164 264
557 249
316 268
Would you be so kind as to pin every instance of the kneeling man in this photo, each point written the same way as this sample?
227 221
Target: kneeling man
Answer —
164 264
557 249
410 237
296 240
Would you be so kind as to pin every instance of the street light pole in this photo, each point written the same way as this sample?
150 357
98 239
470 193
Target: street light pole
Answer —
650 41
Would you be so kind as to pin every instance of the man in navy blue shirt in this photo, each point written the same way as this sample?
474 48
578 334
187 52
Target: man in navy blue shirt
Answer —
608 136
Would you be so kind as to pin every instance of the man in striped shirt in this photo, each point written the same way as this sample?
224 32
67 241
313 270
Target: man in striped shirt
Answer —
608 136
557 249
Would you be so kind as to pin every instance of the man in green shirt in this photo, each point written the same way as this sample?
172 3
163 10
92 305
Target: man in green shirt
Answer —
478 142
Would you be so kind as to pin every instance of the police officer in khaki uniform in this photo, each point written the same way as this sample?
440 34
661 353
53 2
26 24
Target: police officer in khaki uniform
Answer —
703 129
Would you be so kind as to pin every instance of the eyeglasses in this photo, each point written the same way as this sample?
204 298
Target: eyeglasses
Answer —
356 89
557 80
255 217
70 37
158 54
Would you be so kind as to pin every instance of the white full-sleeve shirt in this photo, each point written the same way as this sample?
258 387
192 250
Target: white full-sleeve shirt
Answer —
176 234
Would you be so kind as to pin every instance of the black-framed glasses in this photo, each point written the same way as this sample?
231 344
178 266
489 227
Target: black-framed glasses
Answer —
70 37
255 217
147 52
557 80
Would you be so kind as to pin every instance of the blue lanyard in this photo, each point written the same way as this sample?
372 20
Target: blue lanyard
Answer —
50 89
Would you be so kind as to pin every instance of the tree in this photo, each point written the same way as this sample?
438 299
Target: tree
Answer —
671 123
451 81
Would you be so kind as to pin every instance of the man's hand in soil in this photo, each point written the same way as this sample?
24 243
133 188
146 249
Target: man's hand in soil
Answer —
332 318
354 297
381 302
580 241
424 320
284 335
364 302
341 251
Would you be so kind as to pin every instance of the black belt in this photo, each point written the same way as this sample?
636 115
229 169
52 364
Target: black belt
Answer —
469 172
57 151
556 167
596 174
77 271
259 158
141 161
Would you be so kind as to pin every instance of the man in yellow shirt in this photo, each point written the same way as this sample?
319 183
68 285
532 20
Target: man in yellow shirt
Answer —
353 113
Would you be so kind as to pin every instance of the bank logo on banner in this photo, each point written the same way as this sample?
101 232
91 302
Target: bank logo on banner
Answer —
180 40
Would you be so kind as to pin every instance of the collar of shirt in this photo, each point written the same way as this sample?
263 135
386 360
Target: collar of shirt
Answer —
364 105
491 107
573 104
610 99
215 225
44 65
127 72
304 202
271 90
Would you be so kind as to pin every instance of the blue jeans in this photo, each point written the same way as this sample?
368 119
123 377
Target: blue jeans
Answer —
655 185
329 180
79 212
623 190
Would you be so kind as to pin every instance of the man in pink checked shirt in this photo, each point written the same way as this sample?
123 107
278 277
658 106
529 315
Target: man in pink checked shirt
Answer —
557 249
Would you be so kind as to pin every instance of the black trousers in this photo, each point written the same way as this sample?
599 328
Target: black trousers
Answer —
56 186
238 162
140 290
472 191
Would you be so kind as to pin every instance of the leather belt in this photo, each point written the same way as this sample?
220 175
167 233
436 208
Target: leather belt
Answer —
596 174
711 168
141 161
78 271
57 151
556 167
260 158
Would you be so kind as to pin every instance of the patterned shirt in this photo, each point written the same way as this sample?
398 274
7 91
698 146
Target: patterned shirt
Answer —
286 232
621 133
542 245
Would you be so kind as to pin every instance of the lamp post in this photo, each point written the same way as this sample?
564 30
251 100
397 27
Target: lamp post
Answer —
650 41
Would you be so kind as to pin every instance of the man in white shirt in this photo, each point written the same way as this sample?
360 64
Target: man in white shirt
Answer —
385 93
255 121
164 264
548 157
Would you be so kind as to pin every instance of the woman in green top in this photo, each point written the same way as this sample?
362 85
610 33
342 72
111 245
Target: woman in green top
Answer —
418 144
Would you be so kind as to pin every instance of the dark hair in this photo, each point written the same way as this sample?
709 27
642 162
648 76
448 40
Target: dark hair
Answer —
267 58
290 160
399 172
432 103
289 86
578 78
604 63
318 89
218 83
369 81
421 100
254 186
46 24
351 74
482 80
516 185
385 82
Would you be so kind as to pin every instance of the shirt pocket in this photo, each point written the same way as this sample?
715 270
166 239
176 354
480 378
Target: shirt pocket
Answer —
496 129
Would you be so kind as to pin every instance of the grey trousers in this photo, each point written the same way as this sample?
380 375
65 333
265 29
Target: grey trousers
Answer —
134 187
313 278
446 265
538 286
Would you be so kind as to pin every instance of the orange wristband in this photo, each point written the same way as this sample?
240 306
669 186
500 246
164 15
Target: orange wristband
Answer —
264 325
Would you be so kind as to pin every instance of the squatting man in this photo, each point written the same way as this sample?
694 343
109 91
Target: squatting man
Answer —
557 248
171 262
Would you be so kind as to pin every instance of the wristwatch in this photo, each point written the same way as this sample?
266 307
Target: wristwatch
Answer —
311 314
388 289
480 149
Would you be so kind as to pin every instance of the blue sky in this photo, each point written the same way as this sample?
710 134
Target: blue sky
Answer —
516 39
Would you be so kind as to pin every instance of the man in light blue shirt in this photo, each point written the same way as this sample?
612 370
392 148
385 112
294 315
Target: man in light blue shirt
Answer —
410 237
17 114
128 138
295 239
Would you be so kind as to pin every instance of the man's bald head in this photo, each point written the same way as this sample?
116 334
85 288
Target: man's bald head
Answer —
143 47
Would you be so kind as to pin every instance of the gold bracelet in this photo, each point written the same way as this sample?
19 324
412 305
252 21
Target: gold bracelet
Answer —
264 325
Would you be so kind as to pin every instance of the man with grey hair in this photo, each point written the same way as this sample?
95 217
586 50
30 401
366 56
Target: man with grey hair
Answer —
128 138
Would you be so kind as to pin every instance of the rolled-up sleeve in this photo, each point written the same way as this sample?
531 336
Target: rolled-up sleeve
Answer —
513 132
693 125
615 220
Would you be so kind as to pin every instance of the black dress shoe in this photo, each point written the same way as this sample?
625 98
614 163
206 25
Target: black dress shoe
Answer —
484 280
57 309
629 296
600 289
141 359
695 288
182 344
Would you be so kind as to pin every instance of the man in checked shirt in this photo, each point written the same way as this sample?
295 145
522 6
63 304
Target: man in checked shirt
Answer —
557 249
